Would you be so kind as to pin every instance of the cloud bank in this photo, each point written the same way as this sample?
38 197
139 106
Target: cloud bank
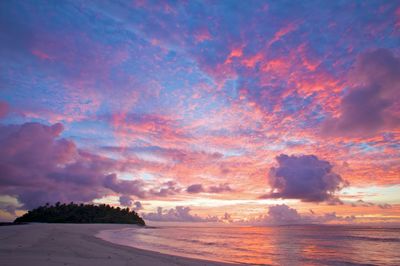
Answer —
284 215
178 214
38 166
277 215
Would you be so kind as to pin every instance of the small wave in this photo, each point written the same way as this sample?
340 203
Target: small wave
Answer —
339 263
353 237
373 239
206 243
268 246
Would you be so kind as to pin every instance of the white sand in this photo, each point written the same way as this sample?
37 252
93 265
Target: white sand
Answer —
75 244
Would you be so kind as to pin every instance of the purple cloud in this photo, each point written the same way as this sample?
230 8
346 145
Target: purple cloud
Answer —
166 189
178 214
125 200
220 188
131 187
370 107
385 206
37 166
195 188
138 205
304 177
283 214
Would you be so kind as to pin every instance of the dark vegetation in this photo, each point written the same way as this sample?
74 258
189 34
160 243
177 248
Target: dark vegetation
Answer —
80 213
8 223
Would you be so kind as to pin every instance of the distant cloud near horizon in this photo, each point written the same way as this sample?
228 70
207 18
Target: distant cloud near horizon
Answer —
177 214
280 214
304 177
285 215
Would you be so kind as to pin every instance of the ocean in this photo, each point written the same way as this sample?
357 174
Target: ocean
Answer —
278 245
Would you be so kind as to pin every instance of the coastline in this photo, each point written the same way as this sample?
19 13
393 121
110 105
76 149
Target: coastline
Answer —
76 244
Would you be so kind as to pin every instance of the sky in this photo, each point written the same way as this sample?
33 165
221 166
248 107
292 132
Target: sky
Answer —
203 111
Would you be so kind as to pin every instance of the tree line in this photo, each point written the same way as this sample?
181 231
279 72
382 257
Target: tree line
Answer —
80 213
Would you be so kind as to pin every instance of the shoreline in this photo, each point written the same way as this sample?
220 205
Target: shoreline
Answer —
77 244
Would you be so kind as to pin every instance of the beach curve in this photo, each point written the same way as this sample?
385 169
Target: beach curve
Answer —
76 244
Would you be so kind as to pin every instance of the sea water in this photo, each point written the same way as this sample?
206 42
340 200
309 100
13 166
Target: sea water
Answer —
279 245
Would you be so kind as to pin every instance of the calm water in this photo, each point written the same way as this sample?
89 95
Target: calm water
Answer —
283 245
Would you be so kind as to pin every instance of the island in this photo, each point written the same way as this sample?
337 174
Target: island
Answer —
80 213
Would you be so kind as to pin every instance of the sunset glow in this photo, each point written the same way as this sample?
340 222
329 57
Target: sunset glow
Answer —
233 112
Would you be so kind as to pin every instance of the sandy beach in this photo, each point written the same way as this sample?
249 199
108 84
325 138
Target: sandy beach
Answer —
76 244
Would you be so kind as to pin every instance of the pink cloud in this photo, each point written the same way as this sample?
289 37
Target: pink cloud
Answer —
282 32
4 109
253 60
236 52
41 55
202 35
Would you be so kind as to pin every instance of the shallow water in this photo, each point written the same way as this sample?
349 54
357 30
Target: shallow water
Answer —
282 245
